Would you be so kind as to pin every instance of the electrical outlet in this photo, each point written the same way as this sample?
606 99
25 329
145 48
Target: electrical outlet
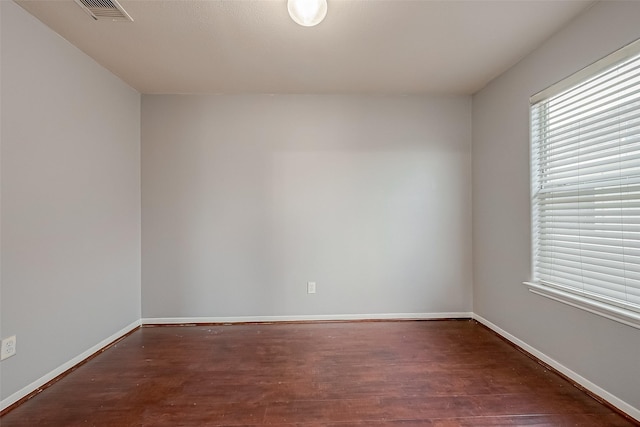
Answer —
8 347
311 287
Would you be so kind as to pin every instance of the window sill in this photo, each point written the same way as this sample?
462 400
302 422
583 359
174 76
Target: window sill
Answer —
618 314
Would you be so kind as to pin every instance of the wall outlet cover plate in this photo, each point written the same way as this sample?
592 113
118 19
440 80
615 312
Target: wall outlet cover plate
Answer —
8 347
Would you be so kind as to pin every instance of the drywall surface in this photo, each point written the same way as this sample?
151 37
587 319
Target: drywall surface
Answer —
70 200
600 350
247 198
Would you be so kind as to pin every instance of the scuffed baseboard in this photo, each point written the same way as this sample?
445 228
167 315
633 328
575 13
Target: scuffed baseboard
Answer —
304 318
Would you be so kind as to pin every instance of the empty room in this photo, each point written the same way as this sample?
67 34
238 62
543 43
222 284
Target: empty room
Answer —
319 212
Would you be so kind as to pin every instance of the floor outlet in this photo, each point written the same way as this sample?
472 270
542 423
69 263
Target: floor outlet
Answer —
311 287
8 347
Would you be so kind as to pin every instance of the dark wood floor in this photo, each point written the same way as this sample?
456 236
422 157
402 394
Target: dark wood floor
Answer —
423 373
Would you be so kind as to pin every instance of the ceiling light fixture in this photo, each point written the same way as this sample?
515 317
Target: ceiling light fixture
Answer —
307 12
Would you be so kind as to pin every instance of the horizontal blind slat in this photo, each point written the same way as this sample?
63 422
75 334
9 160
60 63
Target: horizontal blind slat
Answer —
585 158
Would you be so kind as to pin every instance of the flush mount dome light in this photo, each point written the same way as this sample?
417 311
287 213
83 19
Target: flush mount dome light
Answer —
307 12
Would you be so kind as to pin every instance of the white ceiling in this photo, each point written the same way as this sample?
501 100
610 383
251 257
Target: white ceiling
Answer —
363 46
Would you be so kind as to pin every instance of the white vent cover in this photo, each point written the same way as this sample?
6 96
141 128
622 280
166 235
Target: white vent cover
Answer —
104 9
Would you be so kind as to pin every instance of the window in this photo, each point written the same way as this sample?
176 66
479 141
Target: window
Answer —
585 171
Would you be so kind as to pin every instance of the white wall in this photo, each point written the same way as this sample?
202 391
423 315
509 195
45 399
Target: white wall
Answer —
602 351
70 200
246 198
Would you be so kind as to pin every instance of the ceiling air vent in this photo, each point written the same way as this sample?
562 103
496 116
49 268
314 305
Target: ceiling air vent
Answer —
104 9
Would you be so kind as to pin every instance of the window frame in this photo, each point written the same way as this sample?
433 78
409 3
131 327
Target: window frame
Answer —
601 305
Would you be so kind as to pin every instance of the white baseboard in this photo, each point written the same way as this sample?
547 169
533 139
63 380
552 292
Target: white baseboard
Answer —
25 391
304 318
598 391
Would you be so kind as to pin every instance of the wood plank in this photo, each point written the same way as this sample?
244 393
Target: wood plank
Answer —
414 373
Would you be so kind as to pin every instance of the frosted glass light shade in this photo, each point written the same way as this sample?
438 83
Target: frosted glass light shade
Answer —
307 12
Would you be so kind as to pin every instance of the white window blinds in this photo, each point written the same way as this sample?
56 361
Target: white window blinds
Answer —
585 139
